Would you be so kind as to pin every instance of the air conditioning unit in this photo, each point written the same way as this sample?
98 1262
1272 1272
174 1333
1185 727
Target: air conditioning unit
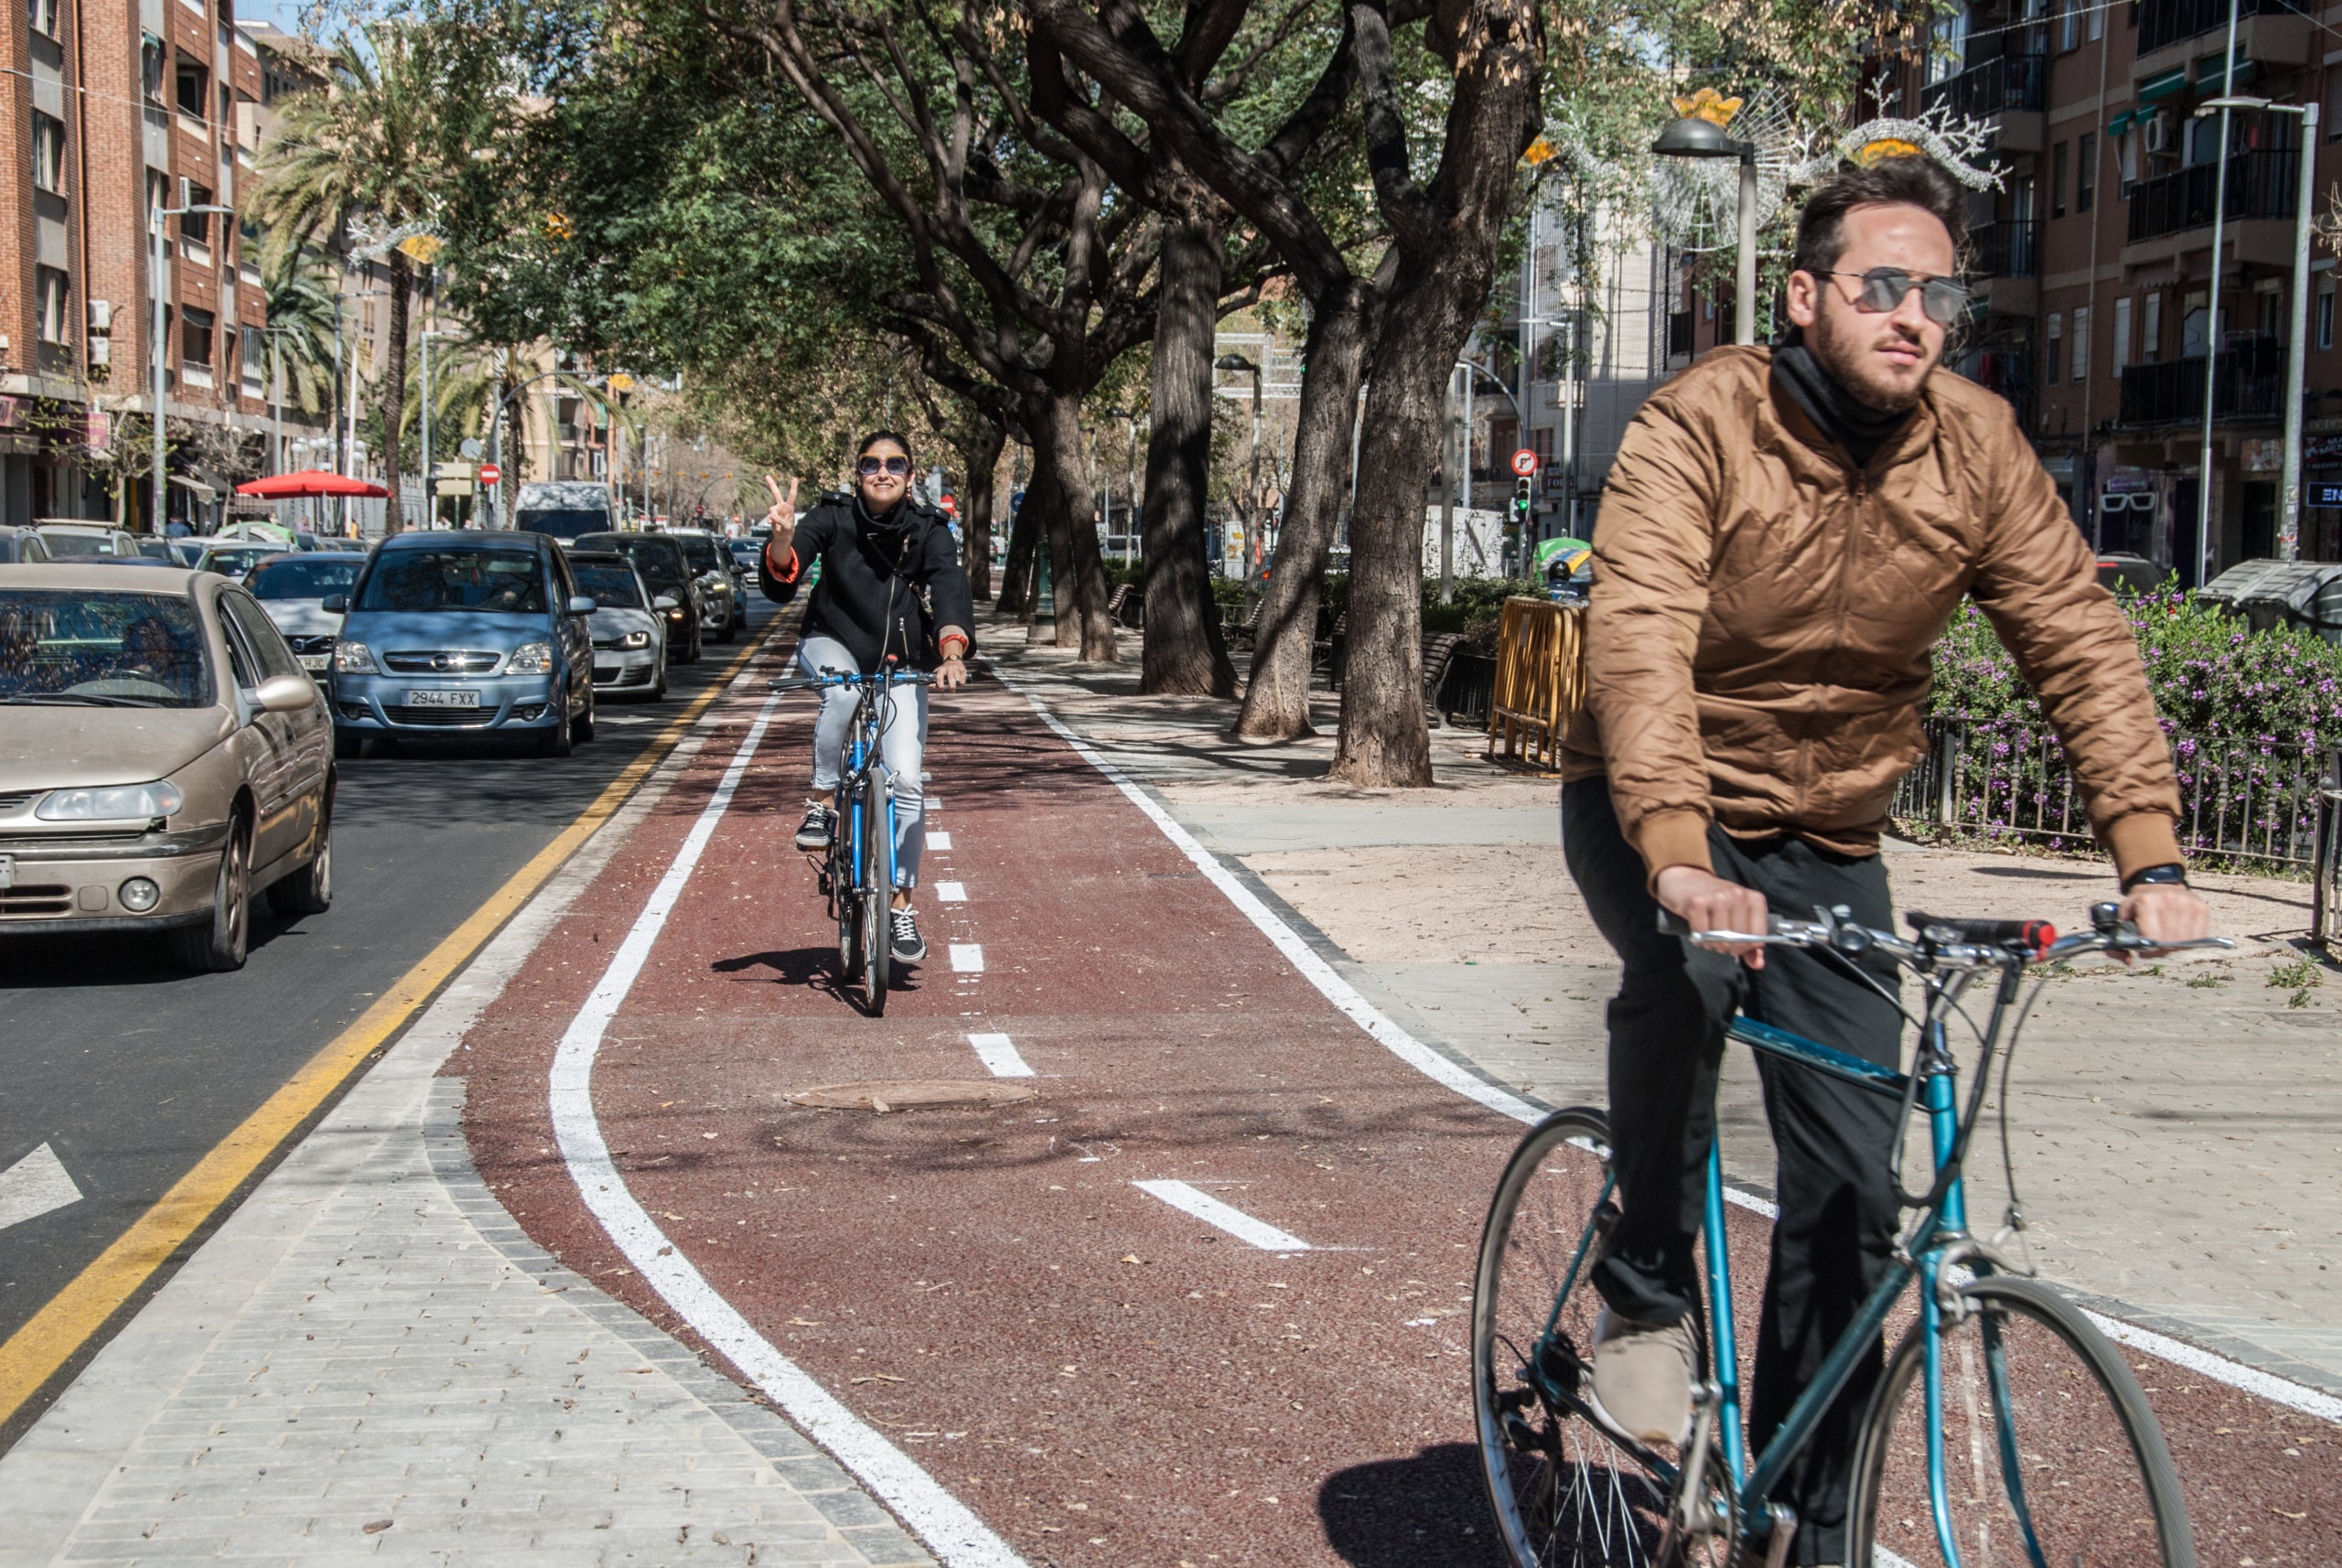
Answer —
2160 135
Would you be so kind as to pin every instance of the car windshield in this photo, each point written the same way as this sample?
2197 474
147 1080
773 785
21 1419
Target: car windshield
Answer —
611 584
99 649
561 524
234 561
698 549
61 544
311 578
659 560
511 582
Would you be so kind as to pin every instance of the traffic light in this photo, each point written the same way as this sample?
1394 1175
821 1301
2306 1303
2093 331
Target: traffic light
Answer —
1517 525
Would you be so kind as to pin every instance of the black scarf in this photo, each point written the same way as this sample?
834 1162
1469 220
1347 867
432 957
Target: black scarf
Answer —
1861 429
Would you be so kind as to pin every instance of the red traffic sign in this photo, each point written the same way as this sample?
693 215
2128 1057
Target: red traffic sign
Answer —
1524 462
951 506
490 473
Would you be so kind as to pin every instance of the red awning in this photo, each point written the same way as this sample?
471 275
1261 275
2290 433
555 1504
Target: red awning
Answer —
309 482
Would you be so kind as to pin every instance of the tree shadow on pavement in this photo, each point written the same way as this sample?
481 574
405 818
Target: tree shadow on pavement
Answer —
1427 1511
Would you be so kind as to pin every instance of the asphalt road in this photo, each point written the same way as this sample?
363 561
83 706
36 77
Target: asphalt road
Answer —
129 1070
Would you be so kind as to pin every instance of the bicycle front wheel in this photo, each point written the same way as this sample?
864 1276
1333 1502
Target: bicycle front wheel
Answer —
2050 1451
877 897
1566 1494
845 899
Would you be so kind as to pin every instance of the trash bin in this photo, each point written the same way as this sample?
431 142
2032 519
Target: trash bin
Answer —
2304 595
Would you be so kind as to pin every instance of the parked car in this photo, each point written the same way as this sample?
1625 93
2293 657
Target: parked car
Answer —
233 560
67 538
458 632
746 553
629 636
22 545
2118 573
167 759
666 571
723 608
564 510
292 590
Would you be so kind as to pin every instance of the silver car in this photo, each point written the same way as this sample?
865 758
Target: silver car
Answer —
167 758
293 589
629 636
67 538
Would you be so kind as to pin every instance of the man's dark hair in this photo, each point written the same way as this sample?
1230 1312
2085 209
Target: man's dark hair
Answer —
1906 181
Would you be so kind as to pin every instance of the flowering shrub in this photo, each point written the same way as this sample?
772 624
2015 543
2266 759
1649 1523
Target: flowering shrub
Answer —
2251 717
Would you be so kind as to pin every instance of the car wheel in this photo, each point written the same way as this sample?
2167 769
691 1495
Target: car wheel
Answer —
581 728
218 945
691 649
554 741
731 617
309 891
658 691
348 745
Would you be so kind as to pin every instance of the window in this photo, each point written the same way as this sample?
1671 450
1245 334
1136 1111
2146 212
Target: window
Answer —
51 291
48 152
2097 25
195 338
2121 334
255 343
2053 360
2081 345
2084 173
150 67
197 226
2126 157
2272 310
2058 180
2069 28
195 88
2325 319
2151 331
42 14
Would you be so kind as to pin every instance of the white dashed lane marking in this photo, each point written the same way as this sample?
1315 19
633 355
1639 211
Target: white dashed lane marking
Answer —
950 892
937 840
967 958
999 1055
1211 1212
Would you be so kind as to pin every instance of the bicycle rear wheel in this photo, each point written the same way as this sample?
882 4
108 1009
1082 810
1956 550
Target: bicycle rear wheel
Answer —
1566 1494
2051 1454
877 897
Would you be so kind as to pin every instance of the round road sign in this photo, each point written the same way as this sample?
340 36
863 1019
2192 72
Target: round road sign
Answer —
490 473
1524 462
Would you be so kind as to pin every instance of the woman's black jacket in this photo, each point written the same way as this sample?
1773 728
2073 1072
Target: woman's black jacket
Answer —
883 590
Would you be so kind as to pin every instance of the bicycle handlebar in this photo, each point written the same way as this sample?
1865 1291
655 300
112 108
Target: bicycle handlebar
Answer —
883 677
1942 943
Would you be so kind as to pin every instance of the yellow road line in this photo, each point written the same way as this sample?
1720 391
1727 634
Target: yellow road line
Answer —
56 1334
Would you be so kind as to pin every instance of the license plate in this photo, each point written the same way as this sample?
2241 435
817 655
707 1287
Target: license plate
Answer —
7 872
442 699
315 663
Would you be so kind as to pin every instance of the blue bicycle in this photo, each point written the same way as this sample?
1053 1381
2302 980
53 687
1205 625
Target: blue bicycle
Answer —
2006 1432
857 871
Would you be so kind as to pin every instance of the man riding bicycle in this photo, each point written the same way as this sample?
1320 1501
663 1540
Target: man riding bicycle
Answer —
1784 536
891 590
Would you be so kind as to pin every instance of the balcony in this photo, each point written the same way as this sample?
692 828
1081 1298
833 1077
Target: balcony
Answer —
2011 83
2247 384
2260 185
2007 250
2166 22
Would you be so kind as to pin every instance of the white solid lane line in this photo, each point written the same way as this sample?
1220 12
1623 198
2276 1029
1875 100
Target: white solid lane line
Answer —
937 840
999 1055
953 1529
38 1185
950 892
967 958
1235 1222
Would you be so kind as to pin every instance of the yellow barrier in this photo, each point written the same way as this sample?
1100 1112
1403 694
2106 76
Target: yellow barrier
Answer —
1541 681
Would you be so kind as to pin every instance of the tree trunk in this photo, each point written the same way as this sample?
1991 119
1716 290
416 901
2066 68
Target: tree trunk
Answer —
1019 570
1077 572
1186 653
1276 702
394 389
982 457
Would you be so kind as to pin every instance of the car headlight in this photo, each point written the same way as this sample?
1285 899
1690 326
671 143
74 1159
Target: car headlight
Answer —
354 658
123 802
635 639
678 612
531 658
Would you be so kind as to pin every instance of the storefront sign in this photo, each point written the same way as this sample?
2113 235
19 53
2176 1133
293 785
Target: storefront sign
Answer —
2321 451
2322 495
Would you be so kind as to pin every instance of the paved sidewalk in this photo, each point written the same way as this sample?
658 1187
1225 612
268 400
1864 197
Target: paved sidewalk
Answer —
2177 1128
370 1361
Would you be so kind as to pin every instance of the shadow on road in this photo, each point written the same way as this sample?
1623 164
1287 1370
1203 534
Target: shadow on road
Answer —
1428 1511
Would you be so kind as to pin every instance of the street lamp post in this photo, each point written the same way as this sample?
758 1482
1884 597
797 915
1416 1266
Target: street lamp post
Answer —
2296 337
2207 527
1252 500
163 216
1692 137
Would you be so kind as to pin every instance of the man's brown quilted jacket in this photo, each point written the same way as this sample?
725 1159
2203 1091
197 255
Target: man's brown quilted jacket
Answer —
1757 641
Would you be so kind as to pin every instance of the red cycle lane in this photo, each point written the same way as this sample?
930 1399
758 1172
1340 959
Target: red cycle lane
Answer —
1104 1377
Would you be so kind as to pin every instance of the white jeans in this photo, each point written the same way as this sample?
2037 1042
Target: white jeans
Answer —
902 744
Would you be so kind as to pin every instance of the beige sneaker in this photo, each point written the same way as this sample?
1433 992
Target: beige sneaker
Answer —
1642 1377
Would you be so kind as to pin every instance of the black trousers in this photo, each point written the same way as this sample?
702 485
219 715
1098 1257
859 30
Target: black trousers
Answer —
1834 1237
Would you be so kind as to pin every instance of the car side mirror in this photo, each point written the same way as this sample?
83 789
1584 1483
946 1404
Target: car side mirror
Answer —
334 603
287 693
582 605
666 602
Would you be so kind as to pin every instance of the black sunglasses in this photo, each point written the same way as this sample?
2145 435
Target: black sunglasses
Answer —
898 466
1886 288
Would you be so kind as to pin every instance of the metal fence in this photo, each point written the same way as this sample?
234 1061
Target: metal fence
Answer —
2239 800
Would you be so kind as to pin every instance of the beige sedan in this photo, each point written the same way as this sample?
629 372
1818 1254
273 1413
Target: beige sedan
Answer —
163 758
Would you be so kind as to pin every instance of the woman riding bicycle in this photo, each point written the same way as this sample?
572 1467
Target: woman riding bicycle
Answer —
890 590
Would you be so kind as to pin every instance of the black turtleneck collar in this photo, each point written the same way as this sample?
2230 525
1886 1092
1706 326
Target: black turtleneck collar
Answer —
893 520
1861 429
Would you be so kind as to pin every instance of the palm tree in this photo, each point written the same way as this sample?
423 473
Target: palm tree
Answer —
297 285
366 157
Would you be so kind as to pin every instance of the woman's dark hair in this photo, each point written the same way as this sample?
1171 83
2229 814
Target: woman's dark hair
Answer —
876 436
1918 182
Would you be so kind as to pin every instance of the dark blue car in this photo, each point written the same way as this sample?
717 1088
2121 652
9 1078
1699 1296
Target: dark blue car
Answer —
458 632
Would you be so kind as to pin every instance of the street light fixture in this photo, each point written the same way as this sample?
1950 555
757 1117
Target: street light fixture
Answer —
162 215
1694 137
2290 516
1251 501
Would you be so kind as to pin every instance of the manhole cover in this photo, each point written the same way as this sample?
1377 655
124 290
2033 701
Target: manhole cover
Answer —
912 1094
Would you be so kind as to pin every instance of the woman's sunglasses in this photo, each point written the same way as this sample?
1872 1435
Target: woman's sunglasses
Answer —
898 466
1886 288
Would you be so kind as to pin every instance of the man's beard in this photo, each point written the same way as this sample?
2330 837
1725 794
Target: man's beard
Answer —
1851 366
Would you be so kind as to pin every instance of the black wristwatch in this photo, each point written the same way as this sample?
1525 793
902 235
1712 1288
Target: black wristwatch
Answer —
2170 874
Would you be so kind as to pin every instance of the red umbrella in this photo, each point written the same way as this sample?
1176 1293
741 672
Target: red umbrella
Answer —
309 482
